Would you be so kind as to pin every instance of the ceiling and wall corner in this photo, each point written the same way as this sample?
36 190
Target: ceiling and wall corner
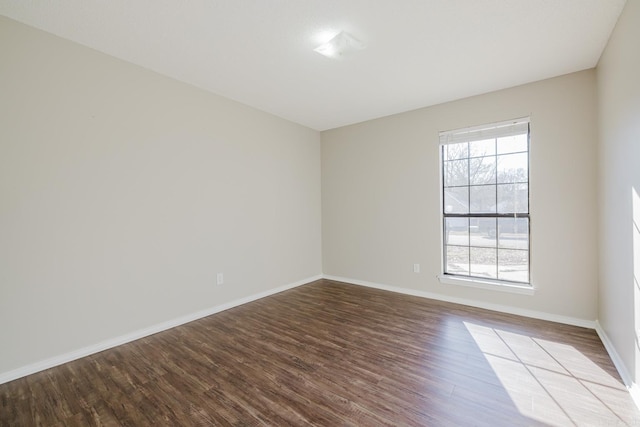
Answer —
419 52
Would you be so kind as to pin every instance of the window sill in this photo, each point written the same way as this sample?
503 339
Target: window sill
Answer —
487 284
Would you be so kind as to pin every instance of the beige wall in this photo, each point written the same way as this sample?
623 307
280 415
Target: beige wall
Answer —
619 155
123 193
381 195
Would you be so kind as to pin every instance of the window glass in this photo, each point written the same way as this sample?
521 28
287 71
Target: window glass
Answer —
483 263
482 170
512 144
513 168
457 151
457 231
482 199
513 232
456 172
456 200
486 147
457 260
513 265
513 198
486 202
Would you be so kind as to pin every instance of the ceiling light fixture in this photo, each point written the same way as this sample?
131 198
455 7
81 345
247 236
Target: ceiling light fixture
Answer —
341 45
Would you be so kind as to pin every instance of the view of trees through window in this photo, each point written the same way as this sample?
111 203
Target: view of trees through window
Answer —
486 208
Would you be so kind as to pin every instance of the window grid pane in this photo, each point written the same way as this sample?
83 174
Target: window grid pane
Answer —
457 231
514 233
456 200
483 262
457 260
482 199
513 265
456 173
482 170
513 198
512 168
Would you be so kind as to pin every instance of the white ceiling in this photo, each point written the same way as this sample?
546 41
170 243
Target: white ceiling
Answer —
260 52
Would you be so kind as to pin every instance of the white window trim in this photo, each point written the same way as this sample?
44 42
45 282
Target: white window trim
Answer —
493 285
516 126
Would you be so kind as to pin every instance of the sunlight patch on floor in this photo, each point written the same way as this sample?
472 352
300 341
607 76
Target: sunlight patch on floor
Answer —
552 382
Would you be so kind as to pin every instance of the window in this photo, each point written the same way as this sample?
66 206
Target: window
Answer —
485 202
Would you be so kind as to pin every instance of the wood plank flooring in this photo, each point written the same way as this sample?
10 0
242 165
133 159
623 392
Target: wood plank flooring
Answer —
333 354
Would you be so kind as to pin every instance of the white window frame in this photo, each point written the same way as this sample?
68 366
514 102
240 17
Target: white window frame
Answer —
476 133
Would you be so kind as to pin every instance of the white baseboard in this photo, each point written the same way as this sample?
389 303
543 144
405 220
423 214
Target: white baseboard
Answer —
632 386
141 333
479 304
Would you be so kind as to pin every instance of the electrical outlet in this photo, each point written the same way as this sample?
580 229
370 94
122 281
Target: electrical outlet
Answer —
220 279
416 268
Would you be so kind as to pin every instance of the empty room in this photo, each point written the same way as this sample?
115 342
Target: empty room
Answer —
322 212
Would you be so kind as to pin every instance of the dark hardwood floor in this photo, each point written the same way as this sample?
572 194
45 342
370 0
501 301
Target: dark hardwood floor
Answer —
333 354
